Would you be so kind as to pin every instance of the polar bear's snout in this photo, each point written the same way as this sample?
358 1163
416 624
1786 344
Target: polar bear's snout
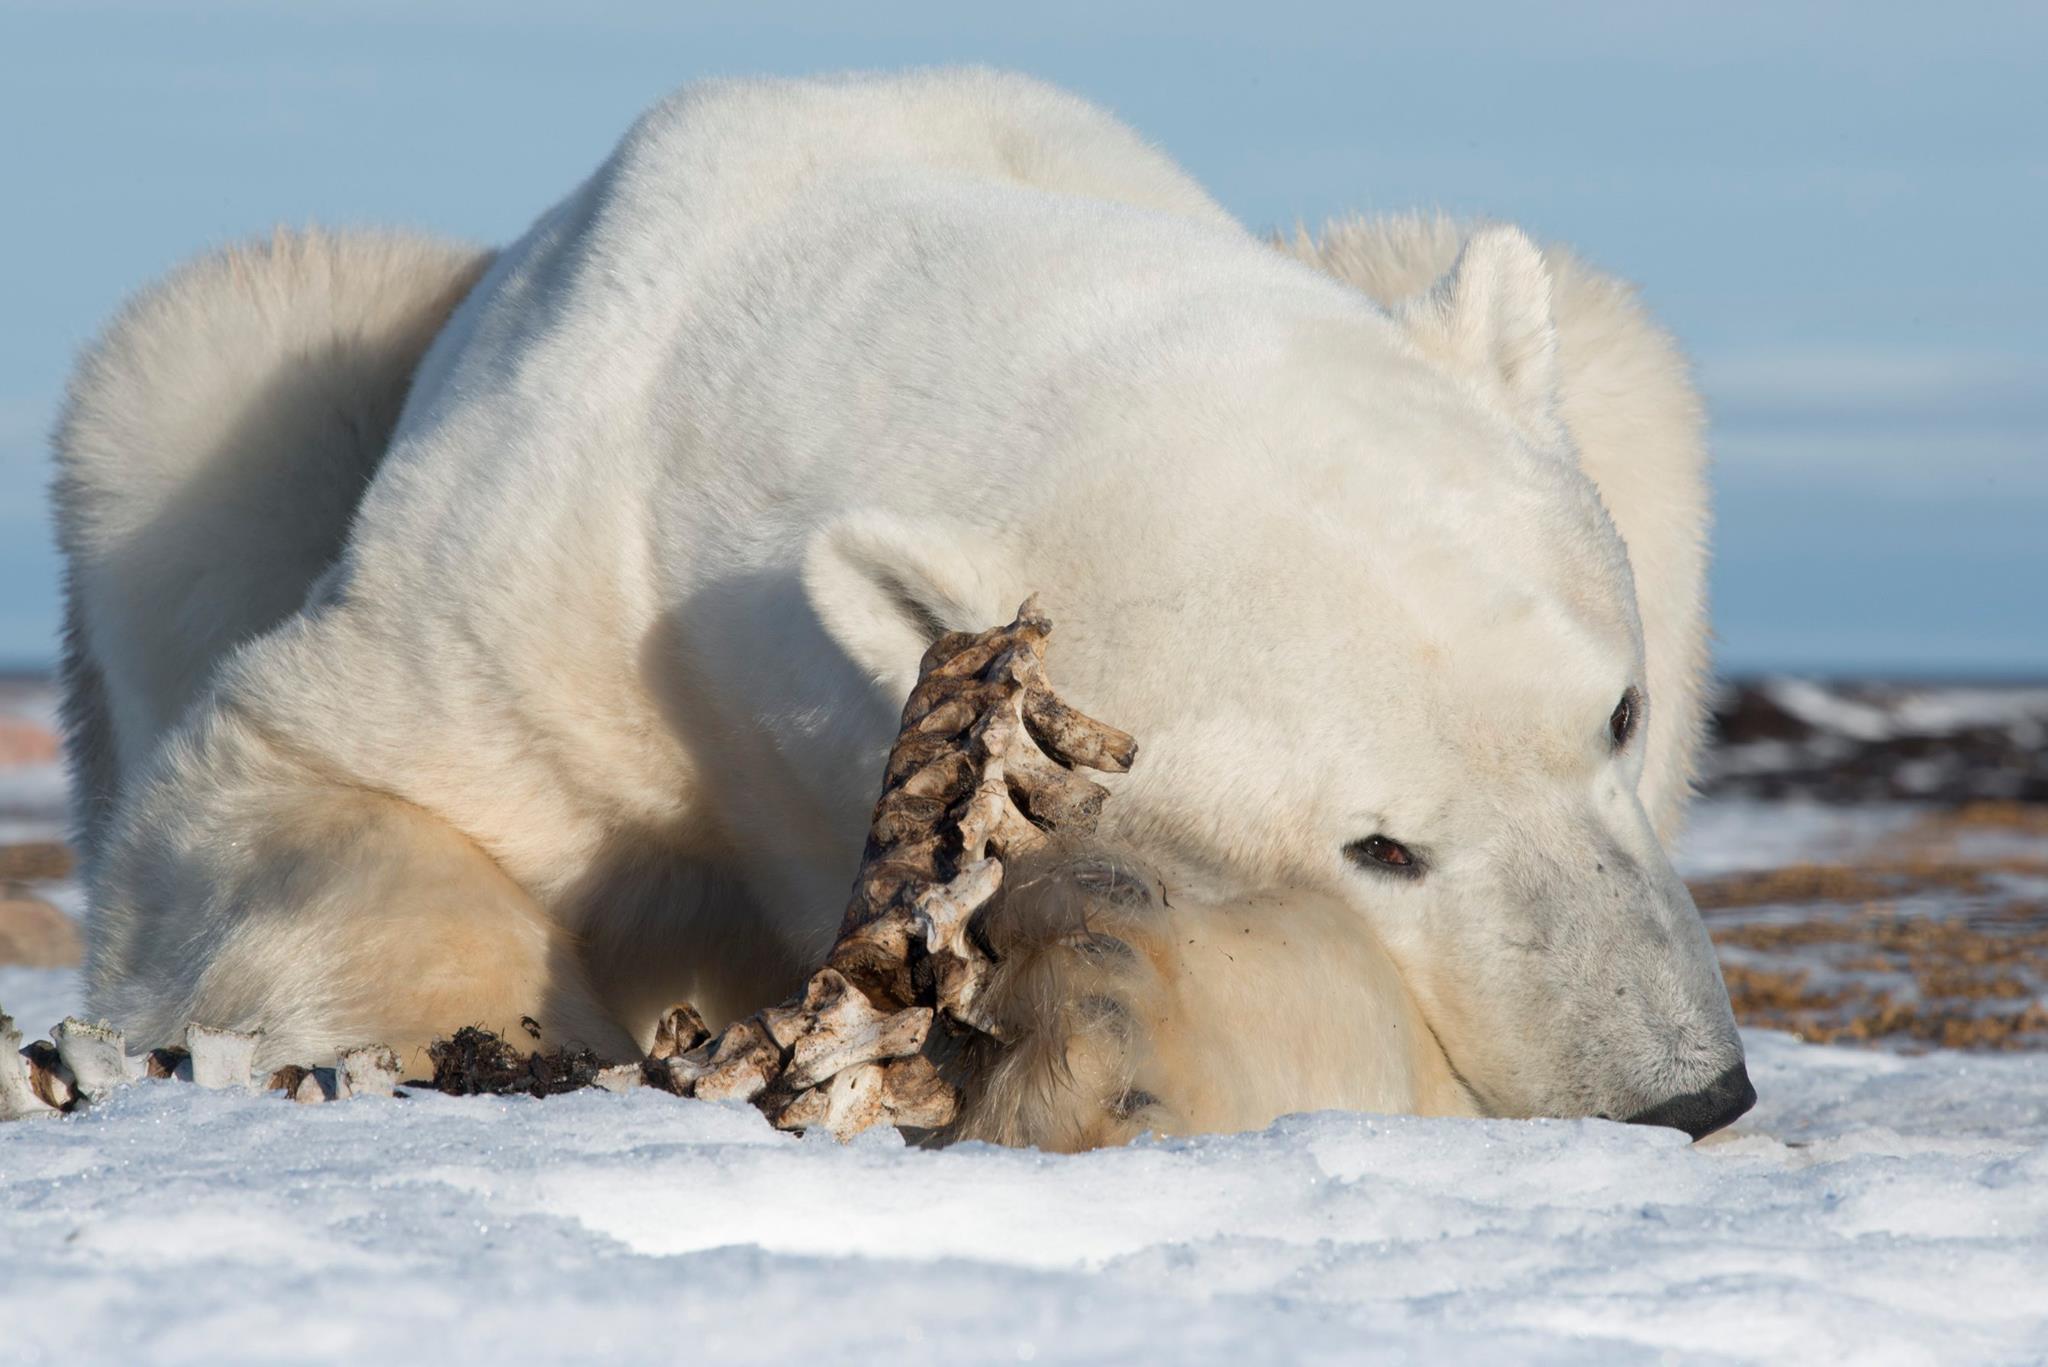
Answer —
1566 972
1720 1103
1679 1045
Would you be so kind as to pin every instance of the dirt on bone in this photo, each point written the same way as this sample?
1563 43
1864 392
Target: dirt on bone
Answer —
984 769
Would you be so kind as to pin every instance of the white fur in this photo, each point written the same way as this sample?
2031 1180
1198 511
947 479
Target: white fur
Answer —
1625 393
808 369
213 448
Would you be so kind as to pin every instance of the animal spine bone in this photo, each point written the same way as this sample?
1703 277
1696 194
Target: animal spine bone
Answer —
982 771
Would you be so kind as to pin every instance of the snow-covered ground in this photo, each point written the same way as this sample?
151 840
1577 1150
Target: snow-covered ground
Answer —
1875 1207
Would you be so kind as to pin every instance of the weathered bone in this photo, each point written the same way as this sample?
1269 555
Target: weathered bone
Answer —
678 1032
168 1063
308 1086
369 1071
942 915
290 1079
982 771
742 1062
220 1058
48 1078
622 1077
20 1098
915 1096
837 1028
846 1104
94 1052
677 1075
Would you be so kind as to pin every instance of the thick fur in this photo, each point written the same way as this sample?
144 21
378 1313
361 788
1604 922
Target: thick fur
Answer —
1626 395
214 445
1123 1011
584 717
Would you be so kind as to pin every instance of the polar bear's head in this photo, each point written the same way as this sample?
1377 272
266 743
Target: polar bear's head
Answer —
1378 639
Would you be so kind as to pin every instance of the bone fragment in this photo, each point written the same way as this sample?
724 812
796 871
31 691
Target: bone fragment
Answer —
307 1086
94 1052
19 1097
678 1032
678 1075
220 1058
958 966
48 1077
743 1062
369 1071
840 1028
845 1105
914 1096
168 1063
622 1077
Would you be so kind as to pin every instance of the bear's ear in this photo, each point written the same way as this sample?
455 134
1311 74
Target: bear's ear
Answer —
884 589
1490 319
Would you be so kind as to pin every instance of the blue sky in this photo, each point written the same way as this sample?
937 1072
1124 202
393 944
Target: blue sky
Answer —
1838 209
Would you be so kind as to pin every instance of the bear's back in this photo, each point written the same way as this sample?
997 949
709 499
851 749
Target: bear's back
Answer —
777 291
776 303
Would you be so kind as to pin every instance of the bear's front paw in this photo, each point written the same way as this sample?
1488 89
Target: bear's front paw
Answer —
1081 948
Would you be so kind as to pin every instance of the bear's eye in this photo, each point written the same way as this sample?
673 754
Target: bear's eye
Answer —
1622 724
1378 852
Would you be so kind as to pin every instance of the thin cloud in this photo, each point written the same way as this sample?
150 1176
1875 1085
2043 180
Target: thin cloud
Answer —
1850 386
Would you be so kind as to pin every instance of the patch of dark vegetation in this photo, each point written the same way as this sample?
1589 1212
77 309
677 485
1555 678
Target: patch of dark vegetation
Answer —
479 1063
1876 742
1936 949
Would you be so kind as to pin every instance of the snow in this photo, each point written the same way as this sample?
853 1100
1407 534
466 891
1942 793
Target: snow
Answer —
1875 1207
1827 711
1911 712
1738 835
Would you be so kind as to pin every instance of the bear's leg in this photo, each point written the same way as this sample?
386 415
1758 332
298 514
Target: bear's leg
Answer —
331 917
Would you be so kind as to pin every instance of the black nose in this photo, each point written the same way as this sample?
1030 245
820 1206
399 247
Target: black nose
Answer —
1700 1113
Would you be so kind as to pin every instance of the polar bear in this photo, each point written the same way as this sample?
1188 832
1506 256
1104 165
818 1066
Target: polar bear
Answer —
456 637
